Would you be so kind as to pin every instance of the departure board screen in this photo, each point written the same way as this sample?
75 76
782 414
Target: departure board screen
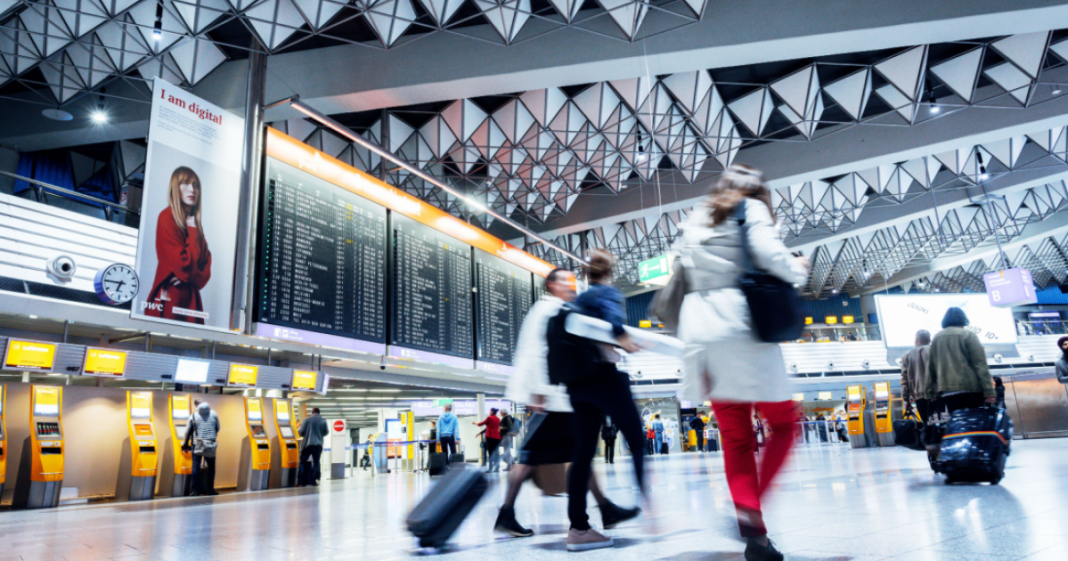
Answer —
323 261
503 299
431 293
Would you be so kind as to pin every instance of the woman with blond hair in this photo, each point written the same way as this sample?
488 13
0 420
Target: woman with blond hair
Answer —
183 260
725 361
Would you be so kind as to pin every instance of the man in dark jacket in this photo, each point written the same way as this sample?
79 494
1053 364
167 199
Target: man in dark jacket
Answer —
698 425
914 374
312 431
508 432
1062 363
609 432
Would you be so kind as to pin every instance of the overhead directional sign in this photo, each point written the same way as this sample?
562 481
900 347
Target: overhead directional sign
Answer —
655 271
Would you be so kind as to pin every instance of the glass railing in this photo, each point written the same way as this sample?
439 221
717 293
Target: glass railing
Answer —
54 195
1041 328
840 334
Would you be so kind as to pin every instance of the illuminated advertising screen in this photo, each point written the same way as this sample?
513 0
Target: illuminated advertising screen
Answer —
192 371
902 315
29 355
243 375
304 380
104 362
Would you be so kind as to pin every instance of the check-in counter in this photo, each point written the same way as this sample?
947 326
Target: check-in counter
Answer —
259 444
856 403
884 423
46 448
144 451
179 411
288 441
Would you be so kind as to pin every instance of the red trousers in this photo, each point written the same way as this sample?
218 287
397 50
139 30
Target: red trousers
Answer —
746 483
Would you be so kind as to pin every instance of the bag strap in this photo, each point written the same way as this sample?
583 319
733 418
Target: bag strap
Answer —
747 255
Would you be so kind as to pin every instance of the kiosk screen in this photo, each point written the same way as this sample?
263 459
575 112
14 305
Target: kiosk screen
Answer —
180 415
258 432
286 432
47 430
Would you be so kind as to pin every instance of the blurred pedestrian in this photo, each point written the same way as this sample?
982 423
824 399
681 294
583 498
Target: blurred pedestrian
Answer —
999 389
606 392
492 441
658 434
312 432
509 429
957 372
698 426
914 375
725 361
448 430
552 442
609 432
1062 363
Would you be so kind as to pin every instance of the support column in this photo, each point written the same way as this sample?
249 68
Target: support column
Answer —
481 406
240 314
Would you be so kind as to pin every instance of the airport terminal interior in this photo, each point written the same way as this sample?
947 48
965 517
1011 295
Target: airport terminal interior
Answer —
267 273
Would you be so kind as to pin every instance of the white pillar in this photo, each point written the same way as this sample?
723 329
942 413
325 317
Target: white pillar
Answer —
481 406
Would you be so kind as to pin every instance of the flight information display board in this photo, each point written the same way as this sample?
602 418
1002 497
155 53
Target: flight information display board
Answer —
431 306
322 266
503 297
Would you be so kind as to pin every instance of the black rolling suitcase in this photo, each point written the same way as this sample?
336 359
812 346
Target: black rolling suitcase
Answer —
437 464
975 444
445 507
457 458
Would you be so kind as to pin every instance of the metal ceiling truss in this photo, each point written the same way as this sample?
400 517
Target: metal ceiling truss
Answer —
1047 259
830 206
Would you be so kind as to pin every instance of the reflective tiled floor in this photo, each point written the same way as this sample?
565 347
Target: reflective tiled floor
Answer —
832 504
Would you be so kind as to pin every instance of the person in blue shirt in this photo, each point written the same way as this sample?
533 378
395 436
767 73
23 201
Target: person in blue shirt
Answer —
658 430
448 429
606 392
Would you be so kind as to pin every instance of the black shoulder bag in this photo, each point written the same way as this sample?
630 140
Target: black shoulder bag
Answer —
572 359
774 304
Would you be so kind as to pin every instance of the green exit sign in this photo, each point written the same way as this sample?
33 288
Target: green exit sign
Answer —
655 271
442 402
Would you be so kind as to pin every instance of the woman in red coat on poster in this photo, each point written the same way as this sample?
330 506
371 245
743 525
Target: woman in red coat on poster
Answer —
184 261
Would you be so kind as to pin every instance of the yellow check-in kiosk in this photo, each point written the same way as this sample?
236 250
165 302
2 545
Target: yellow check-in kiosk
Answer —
3 436
180 407
259 443
143 449
856 402
884 422
46 446
288 441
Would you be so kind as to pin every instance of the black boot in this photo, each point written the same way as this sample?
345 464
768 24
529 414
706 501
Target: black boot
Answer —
756 552
507 524
613 514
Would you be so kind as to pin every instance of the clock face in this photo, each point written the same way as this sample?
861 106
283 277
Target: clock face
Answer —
120 283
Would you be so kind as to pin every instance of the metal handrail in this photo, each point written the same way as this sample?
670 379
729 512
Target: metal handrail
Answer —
69 193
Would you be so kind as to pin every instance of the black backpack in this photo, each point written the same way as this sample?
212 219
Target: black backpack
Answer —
572 359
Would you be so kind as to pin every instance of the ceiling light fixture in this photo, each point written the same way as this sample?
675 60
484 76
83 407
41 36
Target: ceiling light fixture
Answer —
935 109
1057 92
100 116
357 139
157 28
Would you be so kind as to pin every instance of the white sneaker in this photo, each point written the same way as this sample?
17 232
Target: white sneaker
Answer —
586 541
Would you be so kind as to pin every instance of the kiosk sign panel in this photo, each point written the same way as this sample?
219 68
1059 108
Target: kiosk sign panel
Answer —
141 405
192 371
304 380
179 407
29 355
104 362
255 412
243 375
45 401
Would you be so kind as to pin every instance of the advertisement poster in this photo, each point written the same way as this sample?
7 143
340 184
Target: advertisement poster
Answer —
187 242
901 316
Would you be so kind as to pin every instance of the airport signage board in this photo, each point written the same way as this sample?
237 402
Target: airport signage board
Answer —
243 375
655 271
29 355
104 362
192 371
304 380
1010 287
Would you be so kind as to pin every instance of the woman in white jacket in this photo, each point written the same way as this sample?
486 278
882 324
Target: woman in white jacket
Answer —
725 361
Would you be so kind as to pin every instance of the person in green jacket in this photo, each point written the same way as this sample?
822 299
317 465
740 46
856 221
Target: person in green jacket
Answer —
957 373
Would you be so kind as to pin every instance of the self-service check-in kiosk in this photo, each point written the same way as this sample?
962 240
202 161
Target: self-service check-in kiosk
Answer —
3 436
259 443
46 446
287 441
856 402
143 449
884 423
183 459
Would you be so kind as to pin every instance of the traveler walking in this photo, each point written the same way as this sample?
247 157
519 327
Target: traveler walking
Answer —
1062 363
448 430
312 431
650 441
914 375
203 430
492 440
957 372
509 429
609 432
605 391
725 361
552 442
999 389
821 426
658 434
698 426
